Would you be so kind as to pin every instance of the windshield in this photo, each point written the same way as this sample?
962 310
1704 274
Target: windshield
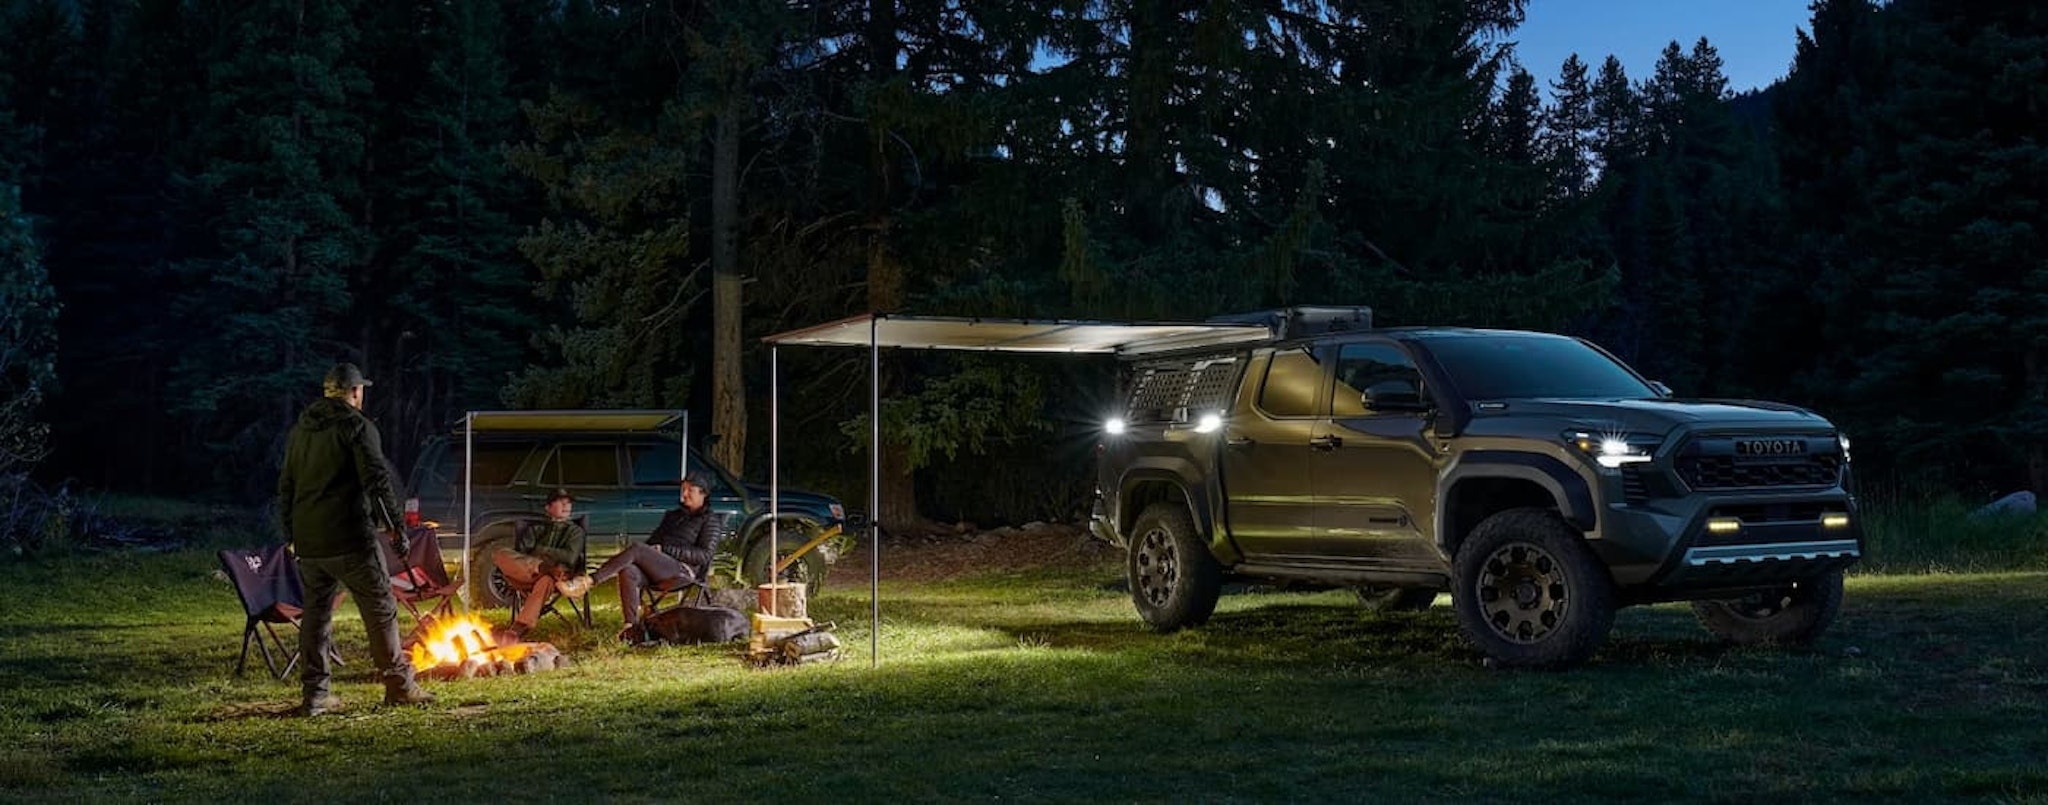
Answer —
1507 366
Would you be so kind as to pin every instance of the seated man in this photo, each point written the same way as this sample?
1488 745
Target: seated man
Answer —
679 549
544 558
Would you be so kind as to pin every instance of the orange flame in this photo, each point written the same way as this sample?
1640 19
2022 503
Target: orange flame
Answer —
453 640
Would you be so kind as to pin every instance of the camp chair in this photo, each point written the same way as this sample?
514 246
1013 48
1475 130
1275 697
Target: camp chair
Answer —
697 589
267 580
420 578
581 608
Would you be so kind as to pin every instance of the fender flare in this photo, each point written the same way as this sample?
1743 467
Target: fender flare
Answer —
1196 502
1567 488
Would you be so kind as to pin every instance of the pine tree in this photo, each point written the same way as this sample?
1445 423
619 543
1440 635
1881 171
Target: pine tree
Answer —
282 149
1568 130
28 340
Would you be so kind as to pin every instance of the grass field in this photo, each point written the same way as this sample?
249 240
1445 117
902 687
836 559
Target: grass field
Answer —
115 686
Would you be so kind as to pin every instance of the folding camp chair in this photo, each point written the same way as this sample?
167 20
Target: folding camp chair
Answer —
419 578
696 589
580 607
267 580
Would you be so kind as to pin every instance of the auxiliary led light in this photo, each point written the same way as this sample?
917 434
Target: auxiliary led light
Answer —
1209 423
1115 426
1834 520
1723 525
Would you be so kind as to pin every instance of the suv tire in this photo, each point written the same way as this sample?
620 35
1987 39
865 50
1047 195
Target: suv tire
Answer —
1395 599
1529 593
1174 581
487 585
810 569
1792 616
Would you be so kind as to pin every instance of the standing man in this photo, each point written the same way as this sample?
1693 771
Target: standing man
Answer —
333 496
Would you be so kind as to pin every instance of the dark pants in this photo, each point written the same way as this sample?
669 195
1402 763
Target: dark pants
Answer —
636 566
365 579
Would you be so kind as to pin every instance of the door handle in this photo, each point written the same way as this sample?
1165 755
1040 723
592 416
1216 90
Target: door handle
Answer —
1326 443
645 505
1240 441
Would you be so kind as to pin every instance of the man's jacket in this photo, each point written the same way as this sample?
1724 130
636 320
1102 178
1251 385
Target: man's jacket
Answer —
554 542
689 536
335 490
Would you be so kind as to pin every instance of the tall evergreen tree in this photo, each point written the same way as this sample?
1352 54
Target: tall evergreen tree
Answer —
282 147
1568 130
28 340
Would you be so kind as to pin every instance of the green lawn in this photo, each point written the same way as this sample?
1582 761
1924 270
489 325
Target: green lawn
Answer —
115 686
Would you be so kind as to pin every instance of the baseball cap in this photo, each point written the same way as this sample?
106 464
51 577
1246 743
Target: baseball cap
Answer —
344 376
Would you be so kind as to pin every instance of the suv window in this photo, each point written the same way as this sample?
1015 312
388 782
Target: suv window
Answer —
1507 367
495 463
656 464
1378 367
1292 380
582 465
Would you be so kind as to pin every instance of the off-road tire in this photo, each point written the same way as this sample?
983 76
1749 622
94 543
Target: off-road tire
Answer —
1790 616
1395 599
1529 593
487 585
1174 580
811 569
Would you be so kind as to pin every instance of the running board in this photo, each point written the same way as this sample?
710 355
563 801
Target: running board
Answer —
1353 576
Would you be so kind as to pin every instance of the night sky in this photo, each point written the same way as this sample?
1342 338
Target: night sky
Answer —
1755 37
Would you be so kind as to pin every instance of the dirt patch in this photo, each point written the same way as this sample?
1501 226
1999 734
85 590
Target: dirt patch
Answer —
949 556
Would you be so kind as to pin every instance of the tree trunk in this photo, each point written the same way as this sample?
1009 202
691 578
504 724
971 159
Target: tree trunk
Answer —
728 392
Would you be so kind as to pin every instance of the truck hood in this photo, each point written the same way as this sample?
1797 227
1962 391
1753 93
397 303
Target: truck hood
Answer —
797 501
1655 416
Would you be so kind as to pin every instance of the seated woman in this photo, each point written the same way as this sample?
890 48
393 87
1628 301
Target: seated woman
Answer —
679 549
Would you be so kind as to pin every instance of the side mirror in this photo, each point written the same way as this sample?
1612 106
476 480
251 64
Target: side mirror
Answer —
1389 396
1661 389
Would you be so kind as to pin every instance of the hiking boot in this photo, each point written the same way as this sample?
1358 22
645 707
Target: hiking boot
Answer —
320 705
631 634
410 694
575 587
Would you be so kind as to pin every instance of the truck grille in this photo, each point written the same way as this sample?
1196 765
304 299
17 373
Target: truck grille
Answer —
1728 472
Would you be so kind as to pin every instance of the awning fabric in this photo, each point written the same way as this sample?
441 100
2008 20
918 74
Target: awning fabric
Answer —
1019 335
593 421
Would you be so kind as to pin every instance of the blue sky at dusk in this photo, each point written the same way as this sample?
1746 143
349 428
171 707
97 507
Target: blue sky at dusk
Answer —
1755 37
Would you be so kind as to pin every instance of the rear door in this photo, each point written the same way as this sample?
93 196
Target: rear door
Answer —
1375 470
1266 457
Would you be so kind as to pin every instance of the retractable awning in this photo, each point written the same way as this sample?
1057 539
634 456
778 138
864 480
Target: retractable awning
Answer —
1041 336
1019 335
621 421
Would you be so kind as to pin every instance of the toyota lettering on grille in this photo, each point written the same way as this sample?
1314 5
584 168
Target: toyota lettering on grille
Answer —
1770 447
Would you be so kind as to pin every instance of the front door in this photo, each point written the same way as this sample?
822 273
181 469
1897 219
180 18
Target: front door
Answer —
1265 458
1375 468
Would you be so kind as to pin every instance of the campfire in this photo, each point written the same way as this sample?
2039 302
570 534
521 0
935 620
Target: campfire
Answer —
461 647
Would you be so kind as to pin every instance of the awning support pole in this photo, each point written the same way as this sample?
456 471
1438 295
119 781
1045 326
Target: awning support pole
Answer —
774 479
875 491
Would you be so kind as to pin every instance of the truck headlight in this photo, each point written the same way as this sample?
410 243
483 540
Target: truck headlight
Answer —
1612 450
1843 439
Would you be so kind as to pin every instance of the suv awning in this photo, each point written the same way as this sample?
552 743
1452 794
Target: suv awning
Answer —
1020 335
619 421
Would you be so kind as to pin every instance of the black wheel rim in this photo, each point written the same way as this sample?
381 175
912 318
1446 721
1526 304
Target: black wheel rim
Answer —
1156 567
501 588
1523 593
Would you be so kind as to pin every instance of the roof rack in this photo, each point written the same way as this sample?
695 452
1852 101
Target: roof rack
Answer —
1302 321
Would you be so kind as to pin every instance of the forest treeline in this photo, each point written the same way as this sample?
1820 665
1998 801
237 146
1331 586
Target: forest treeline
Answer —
565 203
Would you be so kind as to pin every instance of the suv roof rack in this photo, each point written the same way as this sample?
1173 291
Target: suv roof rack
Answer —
1302 321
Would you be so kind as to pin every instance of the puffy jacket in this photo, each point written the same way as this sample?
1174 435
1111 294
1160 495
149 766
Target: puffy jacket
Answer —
334 492
689 536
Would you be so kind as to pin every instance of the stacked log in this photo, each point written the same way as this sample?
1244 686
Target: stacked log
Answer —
534 658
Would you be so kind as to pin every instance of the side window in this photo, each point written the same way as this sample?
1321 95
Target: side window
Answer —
1379 368
582 465
1292 380
491 463
657 464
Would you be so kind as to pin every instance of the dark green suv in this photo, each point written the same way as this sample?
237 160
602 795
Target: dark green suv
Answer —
624 467
1536 478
